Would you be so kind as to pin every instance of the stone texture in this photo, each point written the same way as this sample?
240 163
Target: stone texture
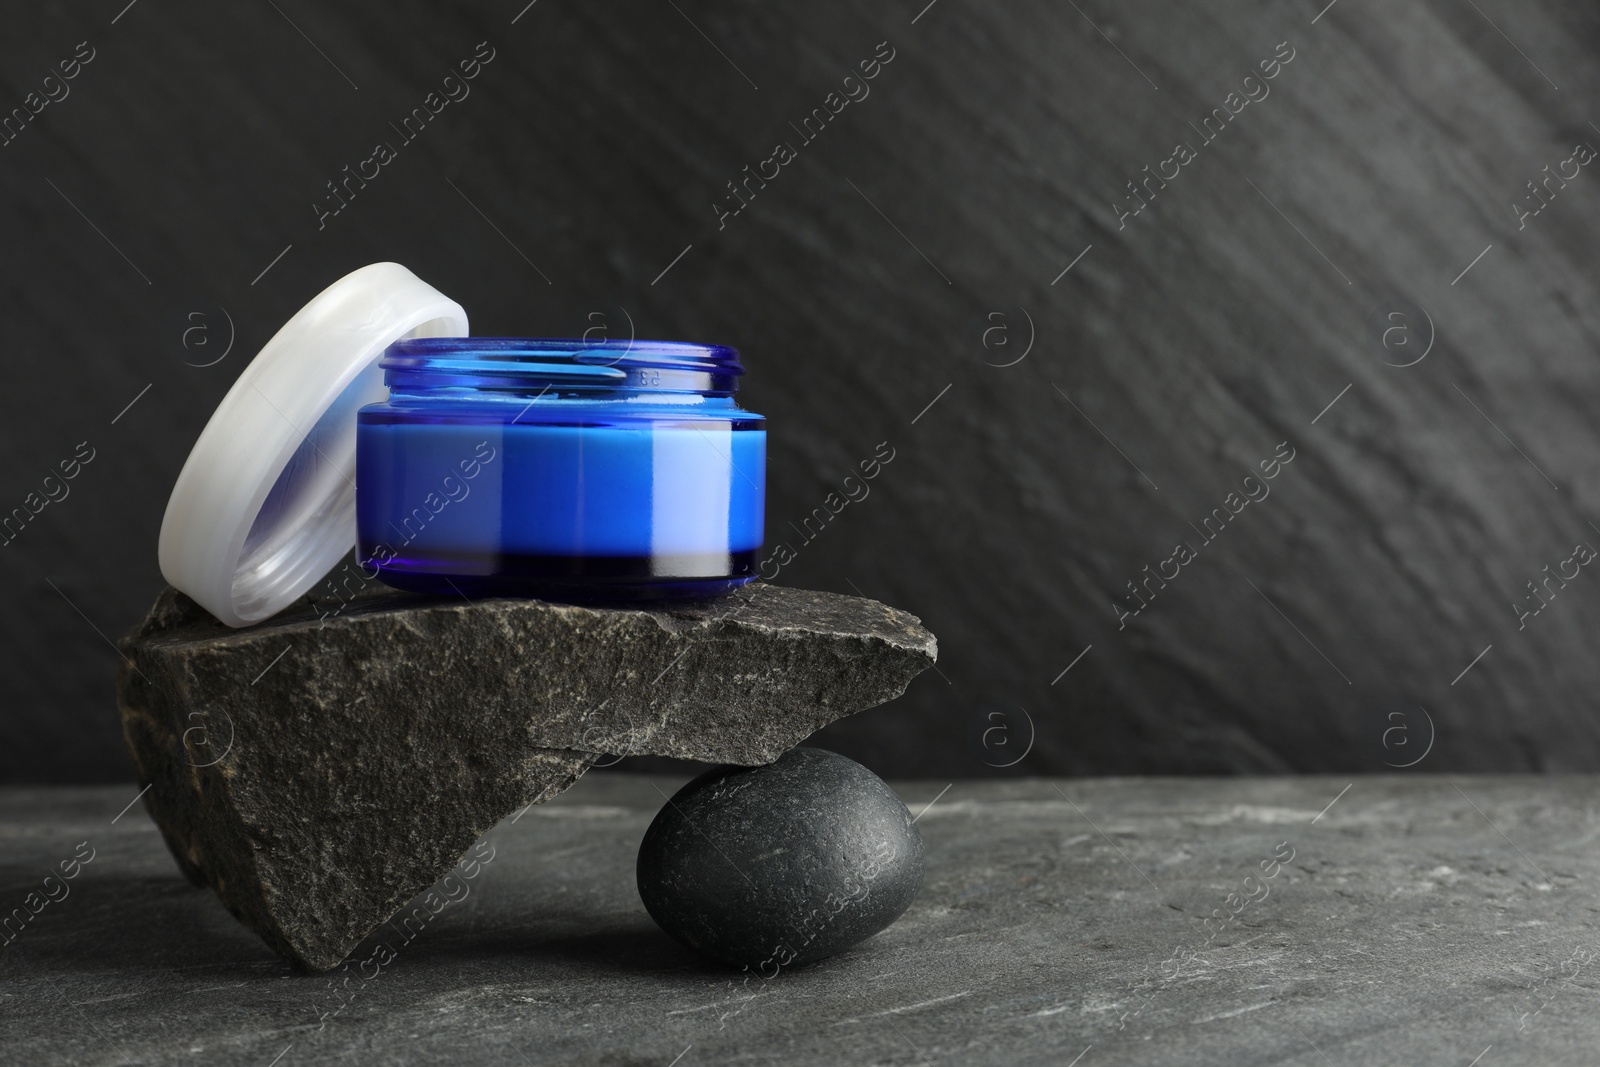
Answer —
997 142
767 867
320 769
1406 930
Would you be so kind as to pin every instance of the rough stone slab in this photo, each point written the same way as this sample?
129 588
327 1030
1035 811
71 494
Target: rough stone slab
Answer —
322 768
1406 930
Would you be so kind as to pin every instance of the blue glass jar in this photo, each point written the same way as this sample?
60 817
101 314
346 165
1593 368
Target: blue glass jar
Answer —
563 469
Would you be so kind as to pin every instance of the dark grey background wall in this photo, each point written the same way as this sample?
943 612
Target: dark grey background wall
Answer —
1068 390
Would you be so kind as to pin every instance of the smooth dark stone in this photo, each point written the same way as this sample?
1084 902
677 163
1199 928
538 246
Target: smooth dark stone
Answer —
322 768
780 865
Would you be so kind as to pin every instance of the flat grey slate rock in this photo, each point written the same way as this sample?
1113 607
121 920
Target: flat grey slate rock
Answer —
1405 930
320 769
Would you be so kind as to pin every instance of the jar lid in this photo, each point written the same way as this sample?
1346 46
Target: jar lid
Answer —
266 503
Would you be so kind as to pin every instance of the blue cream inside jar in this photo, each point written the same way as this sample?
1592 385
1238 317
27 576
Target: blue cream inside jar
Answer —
511 466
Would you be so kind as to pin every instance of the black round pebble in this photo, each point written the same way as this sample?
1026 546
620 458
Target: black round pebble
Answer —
767 867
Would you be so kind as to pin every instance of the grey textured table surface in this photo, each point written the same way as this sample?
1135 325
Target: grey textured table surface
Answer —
1420 920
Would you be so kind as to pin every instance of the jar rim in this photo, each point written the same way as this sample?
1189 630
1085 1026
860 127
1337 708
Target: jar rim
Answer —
561 357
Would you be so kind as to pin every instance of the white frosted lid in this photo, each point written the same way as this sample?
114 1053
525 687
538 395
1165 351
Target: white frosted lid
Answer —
266 503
